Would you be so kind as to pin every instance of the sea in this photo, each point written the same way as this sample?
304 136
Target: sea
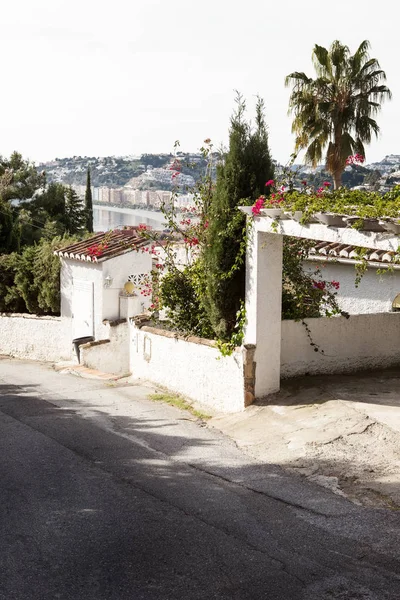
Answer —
110 217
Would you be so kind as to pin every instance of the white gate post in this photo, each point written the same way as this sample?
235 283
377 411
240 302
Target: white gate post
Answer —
264 307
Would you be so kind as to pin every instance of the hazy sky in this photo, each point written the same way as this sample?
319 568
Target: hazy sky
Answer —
90 77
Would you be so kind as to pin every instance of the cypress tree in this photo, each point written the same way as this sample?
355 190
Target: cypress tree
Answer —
75 214
240 180
89 204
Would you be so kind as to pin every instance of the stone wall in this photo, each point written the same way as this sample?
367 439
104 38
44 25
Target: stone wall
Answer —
192 367
37 338
110 355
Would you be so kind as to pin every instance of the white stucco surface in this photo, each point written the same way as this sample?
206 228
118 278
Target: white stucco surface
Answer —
264 305
37 338
360 342
374 294
119 269
191 369
313 231
82 271
105 299
112 357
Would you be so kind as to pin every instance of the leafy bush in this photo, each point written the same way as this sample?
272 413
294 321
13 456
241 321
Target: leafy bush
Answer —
30 281
10 299
179 294
305 294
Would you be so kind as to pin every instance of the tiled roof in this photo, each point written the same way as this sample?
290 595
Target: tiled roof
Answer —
104 245
335 250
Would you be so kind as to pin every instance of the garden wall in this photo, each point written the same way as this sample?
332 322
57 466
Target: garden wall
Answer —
110 355
37 338
358 343
192 367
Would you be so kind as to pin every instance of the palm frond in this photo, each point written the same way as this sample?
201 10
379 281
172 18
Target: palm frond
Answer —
335 110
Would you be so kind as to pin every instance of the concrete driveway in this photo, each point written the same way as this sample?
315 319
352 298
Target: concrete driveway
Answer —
339 431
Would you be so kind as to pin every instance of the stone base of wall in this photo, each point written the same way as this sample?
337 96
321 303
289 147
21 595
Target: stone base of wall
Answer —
37 338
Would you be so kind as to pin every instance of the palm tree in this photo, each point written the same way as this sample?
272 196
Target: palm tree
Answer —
336 109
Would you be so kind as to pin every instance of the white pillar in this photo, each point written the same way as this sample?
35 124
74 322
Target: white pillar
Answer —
264 307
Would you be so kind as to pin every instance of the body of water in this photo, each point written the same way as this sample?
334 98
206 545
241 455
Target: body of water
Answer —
110 217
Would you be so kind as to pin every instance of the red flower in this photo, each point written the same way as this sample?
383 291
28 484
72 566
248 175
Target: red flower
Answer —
270 182
357 158
258 205
327 184
304 182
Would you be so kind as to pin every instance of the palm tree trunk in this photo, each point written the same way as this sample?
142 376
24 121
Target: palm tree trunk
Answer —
337 178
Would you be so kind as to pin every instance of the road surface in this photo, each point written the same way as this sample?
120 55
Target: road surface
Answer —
106 494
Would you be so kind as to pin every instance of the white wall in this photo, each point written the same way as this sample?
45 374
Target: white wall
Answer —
106 300
119 268
110 357
86 271
374 294
360 342
194 370
38 338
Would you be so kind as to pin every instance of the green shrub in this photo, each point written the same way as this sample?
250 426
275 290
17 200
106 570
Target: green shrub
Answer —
179 294
10 299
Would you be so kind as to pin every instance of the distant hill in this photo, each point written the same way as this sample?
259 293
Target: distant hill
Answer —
380 176
118 171
155 171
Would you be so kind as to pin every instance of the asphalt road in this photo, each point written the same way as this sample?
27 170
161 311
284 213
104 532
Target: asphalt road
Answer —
105 494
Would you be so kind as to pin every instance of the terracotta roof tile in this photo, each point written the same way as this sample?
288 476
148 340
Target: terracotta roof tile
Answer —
331 250
104 245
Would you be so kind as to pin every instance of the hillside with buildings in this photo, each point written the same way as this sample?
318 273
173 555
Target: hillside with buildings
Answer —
150 179
161 171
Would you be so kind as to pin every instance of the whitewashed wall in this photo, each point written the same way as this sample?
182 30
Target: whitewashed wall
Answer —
85 271
119 268
195 370
106 300
37 338
374 294
111 356
360 342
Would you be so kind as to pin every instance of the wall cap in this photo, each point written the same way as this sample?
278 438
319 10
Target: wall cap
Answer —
95 343
29 316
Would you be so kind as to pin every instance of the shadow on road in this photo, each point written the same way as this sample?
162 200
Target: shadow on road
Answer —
131 509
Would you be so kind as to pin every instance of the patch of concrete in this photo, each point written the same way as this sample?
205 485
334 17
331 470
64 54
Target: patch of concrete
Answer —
341 432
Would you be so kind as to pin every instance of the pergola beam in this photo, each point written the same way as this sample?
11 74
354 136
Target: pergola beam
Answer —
324 233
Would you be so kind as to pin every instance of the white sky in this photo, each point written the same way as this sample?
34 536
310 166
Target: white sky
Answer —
97 78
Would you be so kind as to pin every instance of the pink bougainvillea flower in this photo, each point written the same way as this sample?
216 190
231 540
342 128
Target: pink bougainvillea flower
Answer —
327 184
357 158
258 205
270 182
335 284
